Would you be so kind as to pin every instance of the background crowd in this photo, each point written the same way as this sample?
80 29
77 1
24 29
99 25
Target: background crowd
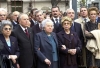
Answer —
51 39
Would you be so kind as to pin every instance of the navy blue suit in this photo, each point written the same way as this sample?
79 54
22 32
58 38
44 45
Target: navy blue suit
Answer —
43 49
78 30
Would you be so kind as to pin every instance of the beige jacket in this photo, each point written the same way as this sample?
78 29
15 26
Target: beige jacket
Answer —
93 45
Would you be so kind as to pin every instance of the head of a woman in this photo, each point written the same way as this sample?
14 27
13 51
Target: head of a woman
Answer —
92 13
66 23
47 25
6 27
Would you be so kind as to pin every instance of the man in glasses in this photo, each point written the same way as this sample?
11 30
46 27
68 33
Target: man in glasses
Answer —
3 14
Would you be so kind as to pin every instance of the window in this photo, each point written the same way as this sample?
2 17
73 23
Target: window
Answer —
17 6
3 0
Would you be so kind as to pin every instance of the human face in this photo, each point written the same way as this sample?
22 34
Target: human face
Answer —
71 14
83 12
39 17
24 21
15 16
6 30
66 25
55 12
3 15
48 27
93 15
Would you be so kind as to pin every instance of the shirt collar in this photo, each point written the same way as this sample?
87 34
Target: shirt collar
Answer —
23 28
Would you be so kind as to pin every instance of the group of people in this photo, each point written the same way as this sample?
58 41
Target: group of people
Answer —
49 40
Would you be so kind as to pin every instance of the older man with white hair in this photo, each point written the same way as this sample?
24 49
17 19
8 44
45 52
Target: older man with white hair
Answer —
24 36
3 14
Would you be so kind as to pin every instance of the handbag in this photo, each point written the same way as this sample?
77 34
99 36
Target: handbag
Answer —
5 62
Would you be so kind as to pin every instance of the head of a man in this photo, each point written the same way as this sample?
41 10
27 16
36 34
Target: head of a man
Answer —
3 14
55 11
70 13
33 13
15 15
83 12
39 15
23 20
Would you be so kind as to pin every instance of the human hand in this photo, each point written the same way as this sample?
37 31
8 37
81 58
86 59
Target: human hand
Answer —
47 62
63 47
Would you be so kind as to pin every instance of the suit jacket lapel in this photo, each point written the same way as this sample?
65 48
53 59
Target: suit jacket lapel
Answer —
46 37
71 36
12 45
5 43
22 32
55 39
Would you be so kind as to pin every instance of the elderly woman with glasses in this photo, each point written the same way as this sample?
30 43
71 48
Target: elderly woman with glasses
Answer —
69 45
10 49
46 45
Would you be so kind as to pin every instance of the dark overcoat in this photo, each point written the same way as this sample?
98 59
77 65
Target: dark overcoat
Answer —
43 49
73 40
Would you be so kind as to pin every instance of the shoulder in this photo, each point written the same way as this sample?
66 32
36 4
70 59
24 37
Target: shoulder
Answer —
12 37
78 20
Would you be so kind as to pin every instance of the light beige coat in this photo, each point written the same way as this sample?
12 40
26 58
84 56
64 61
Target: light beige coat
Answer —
93 45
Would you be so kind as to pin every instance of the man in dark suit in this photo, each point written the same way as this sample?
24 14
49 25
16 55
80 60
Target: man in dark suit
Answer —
14 17
33 20
56 19
24 36
39 17
76 27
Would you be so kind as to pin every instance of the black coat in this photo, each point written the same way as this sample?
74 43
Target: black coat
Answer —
26 58
43 49
78 30
57 28
14 47
73 40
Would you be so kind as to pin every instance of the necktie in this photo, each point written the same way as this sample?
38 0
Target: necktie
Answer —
72 28
26 31
41 26
85 20
57 22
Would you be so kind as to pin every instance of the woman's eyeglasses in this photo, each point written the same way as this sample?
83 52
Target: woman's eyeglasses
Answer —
7 29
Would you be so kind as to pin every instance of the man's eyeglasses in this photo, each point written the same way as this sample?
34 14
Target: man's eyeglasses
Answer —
7 29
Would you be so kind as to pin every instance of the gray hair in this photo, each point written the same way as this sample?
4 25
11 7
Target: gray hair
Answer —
4 23
69 9
3 10
21 15
37 11
45 21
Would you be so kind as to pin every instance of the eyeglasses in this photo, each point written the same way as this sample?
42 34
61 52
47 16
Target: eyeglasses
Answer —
7 29
2 15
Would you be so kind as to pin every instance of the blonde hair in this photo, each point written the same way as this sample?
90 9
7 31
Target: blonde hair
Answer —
66 18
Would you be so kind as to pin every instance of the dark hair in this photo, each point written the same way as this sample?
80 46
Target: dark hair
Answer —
33 10
83 7
55 7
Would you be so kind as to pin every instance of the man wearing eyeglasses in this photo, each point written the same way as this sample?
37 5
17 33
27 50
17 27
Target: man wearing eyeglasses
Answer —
3 14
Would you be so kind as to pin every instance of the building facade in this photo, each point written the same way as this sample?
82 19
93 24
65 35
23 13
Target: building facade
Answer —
25 5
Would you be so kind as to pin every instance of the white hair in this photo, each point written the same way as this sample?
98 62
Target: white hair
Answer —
3 10
45 21
69 10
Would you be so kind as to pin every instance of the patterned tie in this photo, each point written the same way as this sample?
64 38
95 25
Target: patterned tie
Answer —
57 22
26 31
